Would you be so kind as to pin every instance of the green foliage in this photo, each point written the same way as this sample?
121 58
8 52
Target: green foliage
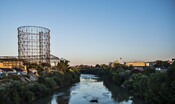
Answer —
117 66
59 78
62 65
172 92
39 90
32 65
171 73
39 67
48 82
130 67
45 65
155 87
12 93
18 92
104 66
36 66
162 64
148 71
29 96
97 66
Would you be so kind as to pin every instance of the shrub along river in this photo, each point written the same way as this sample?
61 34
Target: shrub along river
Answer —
90 89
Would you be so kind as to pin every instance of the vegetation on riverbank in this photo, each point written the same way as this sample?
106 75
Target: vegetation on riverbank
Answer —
155 87
18 92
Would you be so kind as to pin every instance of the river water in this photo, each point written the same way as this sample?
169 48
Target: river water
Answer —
90 88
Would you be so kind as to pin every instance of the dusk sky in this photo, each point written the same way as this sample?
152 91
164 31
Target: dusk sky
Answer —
94 31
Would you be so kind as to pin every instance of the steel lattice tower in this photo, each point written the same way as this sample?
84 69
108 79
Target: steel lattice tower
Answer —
34 44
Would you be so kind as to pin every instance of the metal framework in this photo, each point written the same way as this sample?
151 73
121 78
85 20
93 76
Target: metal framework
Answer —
34 44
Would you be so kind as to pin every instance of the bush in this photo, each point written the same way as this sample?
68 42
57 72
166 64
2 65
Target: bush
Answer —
12 93
154 87
29 96
48 82
18 92
39 90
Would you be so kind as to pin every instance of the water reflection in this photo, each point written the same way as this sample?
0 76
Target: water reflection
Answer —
61 96
119 94
90 88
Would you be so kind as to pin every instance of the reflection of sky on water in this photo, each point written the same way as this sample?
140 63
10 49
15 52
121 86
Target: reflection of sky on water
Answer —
87 89
90 88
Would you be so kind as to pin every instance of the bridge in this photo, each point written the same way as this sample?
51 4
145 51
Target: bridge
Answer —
91 71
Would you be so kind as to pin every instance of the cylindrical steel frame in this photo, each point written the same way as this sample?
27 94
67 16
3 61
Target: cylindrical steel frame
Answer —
34 44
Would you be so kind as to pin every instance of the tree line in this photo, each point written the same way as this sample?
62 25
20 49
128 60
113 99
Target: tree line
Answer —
15 91
154 87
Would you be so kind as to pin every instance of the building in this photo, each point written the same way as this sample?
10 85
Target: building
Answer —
170 61
11 63
115 62
137 64
151 64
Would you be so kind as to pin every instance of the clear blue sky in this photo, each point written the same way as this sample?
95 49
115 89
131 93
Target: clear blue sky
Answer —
94 31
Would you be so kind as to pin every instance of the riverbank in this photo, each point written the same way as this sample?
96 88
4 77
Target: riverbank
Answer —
90 89
154 87
16 91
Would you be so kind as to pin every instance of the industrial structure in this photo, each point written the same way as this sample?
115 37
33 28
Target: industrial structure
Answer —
34 44
33 47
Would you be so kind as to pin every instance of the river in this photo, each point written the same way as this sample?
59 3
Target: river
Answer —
90 88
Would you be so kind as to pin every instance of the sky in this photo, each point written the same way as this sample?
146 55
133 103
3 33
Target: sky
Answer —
94 31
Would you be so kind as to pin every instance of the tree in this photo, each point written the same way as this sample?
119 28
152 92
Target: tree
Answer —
148 70
118 65
104 66
131 67
97 66
171 72
155 86
46 66
162 64
62 65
